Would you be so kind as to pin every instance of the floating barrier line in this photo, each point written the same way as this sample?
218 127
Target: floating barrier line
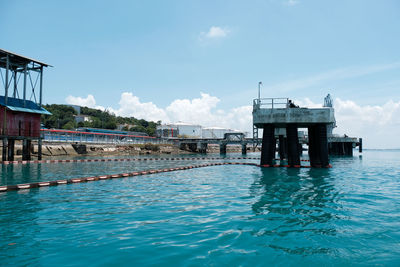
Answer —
116 159
123 175
124 159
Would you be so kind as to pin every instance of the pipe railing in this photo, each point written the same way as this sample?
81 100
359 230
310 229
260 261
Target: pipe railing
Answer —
270 103
55 135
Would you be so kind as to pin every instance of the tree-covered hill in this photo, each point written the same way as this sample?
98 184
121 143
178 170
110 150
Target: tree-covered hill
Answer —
63 117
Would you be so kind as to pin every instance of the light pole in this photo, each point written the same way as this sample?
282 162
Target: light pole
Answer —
259 91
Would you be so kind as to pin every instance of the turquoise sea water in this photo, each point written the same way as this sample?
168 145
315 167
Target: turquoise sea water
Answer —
213 216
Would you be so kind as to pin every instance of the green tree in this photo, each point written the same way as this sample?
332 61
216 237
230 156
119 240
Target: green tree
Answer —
138 128
63 117
69 125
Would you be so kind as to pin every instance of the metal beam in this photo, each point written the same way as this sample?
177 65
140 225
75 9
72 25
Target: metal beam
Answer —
12 64
15 84
6 88
38 69
41 86
25 74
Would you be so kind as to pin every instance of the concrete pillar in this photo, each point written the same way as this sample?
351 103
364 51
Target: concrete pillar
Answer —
323 142
268 145
349 149
26 149
183 146
345 148
193 147
318 146
222 148
203 148
330 149
4 154
300 150
337 148
293 145
11 146
244 149
313 146
282 147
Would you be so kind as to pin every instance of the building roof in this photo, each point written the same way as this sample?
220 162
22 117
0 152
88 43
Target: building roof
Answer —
181 123
16 104
17 59
221 128
216 128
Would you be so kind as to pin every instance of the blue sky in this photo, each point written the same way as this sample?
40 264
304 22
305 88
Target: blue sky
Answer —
164 51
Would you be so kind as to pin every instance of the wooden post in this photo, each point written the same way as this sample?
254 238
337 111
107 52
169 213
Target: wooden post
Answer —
40 149
25 149
4 152
11 146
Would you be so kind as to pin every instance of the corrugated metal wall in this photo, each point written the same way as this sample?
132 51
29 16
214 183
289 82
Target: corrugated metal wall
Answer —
20 123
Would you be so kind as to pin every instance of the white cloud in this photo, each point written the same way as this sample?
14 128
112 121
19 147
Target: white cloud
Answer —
204 111
89 101
130 106
214 32
201 111
378 125
306 102
197 110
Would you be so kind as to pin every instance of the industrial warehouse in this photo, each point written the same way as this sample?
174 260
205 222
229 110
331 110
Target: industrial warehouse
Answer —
188 130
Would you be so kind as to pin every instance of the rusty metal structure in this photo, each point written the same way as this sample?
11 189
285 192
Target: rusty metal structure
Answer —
21 91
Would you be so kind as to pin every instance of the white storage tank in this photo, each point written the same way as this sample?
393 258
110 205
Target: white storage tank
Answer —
179 129
167 130
188 130
217 132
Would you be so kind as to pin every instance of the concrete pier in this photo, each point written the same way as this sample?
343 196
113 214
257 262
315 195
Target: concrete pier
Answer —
341 149
201 143
274 113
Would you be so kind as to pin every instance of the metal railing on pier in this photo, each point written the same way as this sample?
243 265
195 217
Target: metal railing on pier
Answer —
66 136
270 103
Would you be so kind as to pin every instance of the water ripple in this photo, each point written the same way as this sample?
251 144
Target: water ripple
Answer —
226 215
